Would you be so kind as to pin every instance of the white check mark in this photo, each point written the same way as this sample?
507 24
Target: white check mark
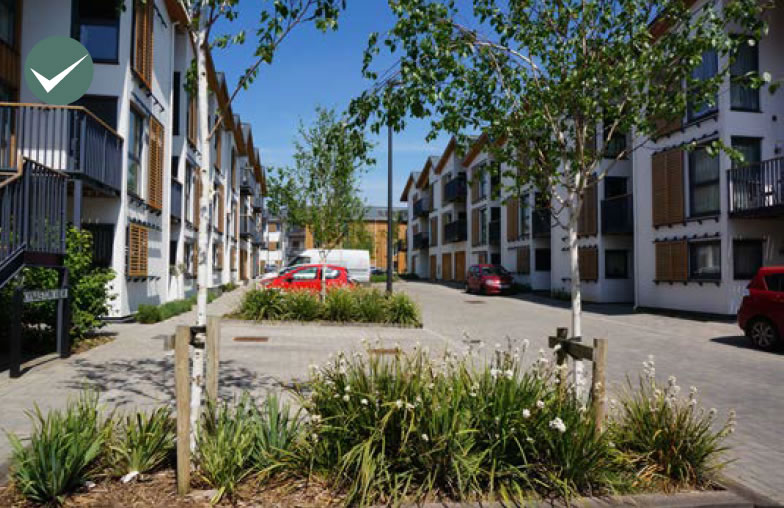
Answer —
49 84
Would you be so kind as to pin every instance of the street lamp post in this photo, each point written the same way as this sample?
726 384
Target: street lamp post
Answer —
389 207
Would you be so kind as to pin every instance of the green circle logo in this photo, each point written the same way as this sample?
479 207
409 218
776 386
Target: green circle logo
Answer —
58 70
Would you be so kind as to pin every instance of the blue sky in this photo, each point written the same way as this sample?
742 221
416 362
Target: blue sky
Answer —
313 68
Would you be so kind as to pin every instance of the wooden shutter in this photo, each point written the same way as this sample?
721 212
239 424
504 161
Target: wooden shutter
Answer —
475 187
273 246
143 40
474 227
588 223
155 165
137 250
667 187
221 207
512 216
672 261
524 260
588 260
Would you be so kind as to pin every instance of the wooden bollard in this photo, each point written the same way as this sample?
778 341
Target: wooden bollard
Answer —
599 381
213 356
561 356
182 390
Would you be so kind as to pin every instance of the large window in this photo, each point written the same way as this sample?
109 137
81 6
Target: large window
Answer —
704 183
483 226
616 264
542 260
8 22
744 98
746 258
750 148
707 69
102 106
135 144
614 186
705 260
97 26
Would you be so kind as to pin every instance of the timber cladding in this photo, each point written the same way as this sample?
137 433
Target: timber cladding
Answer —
155 179
446 266
460 266
588 261
524 260
143 21
138 248
667 187
475 240
587 224
672 261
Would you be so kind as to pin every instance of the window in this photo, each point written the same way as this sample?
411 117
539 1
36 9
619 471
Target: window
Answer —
614 186
483 226
331 273
616 144
542 260
137 250
176 85
102 106
746 258
707 69
190 262
8 22
750 148
172 252
97 27
189 179
155 166
306 274
135 144
775 282
704 192
142 40
616 264
744 98
705 260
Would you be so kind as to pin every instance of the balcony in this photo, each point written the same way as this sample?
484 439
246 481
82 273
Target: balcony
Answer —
65 138
456 190
422 207
247 182
421 241
176 200
757 190
540 223
495 232
258 203
296 231
618 215
456 231
247 226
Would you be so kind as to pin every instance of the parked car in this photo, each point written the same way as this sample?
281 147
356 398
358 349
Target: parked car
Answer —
275 273
308 277
761 313
374 270
357 262
489 279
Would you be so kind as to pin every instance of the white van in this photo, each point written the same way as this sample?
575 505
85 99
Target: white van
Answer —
357 262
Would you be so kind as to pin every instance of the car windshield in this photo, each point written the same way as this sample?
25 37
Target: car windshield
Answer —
494 270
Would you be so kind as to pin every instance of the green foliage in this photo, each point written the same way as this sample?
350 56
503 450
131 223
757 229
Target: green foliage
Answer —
409 276
667 440
156 313
302 306
358 237
278 431
144 442
229 286
341 305
383 278
262 304
63 447
402 310
371 305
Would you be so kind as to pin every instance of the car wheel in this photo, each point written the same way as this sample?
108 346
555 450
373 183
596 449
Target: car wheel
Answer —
467 288
763 334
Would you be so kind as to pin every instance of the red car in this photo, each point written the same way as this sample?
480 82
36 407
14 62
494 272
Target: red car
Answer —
309 277
489 279
761 313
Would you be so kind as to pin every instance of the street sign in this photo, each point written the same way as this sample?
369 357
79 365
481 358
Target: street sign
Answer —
45 295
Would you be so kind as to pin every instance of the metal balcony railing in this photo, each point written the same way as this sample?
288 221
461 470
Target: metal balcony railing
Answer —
421 241
422 207
456 231
540 222
757 189
176 200
456 190
64 138
618 215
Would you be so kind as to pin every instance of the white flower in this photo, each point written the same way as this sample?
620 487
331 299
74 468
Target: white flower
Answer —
766 77
399 403
539 404
494 373
364 402
347 389
425 438
418 399
557 348
316 419
409 406
752 42
558 425
346 398
498 346
672 380
526 413
509 374
529 439
582 409
430 386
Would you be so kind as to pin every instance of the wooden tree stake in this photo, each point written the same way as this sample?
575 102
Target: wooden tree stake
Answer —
182 390
213 356
598 383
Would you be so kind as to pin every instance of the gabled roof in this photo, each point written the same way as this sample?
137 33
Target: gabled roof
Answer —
412 178
424 177
445 156
475 149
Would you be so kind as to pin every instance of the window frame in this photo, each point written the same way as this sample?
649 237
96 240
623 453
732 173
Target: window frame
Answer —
691 114
136 114
747 242
13 8
77 23
607 254
733 84
538 267
713 182
692 247
739 140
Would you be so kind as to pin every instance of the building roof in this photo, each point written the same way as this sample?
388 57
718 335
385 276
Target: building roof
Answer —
379 213
412 178
424 177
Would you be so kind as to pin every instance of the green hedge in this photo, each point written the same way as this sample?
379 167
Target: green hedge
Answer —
155 313
345 305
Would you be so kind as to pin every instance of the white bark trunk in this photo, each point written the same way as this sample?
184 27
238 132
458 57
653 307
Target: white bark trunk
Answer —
578 373
323 255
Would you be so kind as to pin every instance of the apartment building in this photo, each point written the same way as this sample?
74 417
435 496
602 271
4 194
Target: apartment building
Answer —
666 228
273 253
129 149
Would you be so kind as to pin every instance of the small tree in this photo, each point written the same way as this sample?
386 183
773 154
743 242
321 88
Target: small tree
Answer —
358 237
551 83
321 191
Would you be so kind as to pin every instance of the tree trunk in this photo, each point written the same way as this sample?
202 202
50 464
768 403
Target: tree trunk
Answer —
574 208
323 255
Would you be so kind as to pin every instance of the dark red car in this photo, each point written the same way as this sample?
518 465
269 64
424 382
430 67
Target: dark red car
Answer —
489 279
308 277
761 313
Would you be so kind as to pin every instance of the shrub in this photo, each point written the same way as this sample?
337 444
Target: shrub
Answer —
229 286
382 277
402 310
63 447
144 442
261 304
148 314
409 276
665 438
371 305
277 432
302 305
340 305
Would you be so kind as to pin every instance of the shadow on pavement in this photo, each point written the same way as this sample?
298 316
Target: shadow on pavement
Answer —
743 342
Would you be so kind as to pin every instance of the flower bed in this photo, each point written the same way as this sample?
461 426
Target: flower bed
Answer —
342 305
376 429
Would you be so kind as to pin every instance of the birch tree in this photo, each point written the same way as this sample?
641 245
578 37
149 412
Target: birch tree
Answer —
551 83
321 192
